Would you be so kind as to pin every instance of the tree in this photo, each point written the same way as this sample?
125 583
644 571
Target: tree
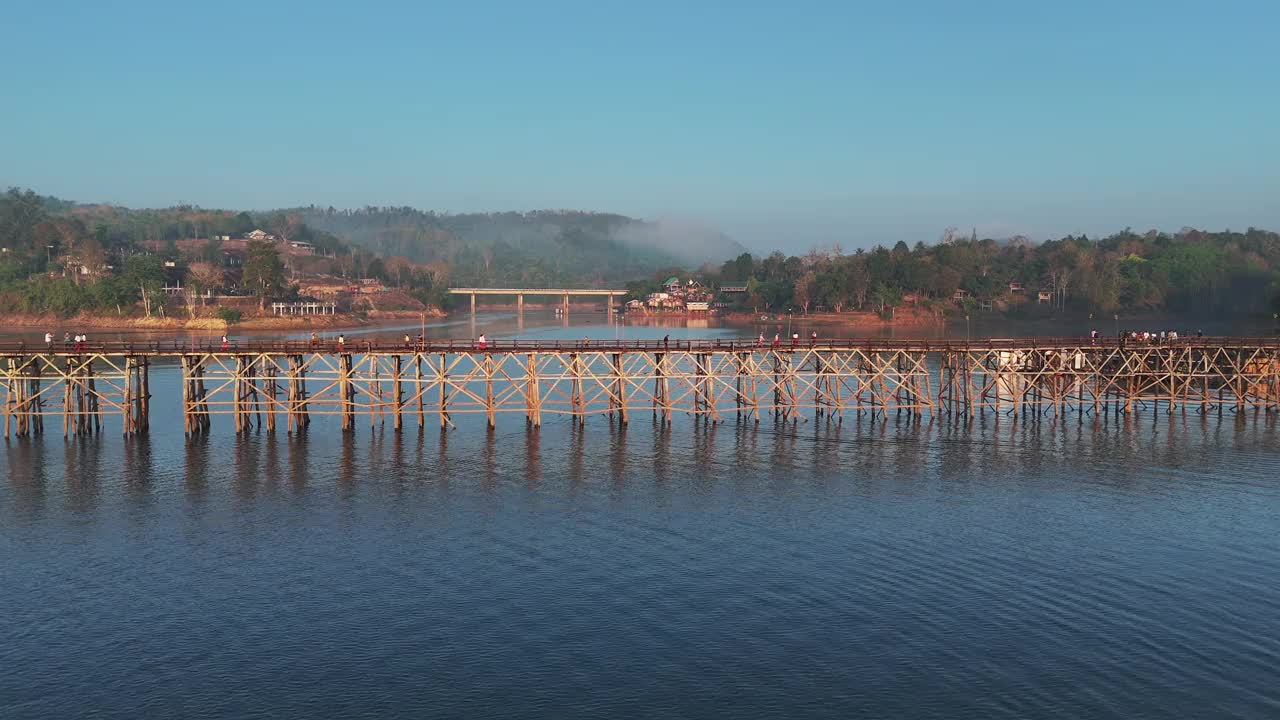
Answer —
263 270
285 226
20 213
885 296
146 273
230 316
241 224
205 277
804 290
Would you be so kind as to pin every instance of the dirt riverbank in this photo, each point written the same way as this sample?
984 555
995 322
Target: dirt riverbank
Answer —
86 321
902 317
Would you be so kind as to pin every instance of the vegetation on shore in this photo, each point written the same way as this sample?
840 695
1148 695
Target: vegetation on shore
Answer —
62 258
1189 272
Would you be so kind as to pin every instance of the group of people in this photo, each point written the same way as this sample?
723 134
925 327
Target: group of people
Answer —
1148 337
76 343
341 341
795 340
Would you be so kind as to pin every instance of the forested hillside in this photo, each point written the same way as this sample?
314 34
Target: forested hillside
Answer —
534 249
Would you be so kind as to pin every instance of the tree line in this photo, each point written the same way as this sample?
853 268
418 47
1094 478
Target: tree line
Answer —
1191 271
423 253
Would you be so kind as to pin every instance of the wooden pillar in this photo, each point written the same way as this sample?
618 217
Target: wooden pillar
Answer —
532 393
621 391
397 389
575 388
10 393
145 400
129 381
271 387
291 392
661 388
443 378
346 393
486 360
238 393
419 390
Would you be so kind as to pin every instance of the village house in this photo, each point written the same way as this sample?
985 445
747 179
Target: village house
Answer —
659 300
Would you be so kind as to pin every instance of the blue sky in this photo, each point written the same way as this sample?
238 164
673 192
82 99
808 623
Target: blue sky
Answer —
784 124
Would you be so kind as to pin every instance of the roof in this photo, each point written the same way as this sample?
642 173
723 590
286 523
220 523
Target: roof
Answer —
673 280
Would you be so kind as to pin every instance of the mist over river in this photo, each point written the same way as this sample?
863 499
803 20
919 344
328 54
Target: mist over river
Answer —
1099 567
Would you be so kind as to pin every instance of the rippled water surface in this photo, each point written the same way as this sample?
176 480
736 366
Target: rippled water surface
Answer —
1108 568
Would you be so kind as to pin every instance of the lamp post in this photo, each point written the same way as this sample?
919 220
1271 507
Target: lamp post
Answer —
788 322
1117 318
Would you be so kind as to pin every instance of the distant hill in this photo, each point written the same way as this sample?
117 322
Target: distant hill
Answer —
542 248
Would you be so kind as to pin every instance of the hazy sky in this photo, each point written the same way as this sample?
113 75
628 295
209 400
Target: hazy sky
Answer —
784 124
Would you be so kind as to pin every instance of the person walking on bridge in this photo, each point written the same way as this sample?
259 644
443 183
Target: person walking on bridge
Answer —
48 340
226 344
342 342
482 342
315 339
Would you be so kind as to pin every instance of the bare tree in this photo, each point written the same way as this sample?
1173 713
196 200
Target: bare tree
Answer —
206 276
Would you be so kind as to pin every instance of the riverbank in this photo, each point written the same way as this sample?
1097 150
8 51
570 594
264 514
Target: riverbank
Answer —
84 321
902 317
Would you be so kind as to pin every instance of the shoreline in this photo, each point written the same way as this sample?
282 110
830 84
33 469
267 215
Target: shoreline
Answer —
254 322
914 318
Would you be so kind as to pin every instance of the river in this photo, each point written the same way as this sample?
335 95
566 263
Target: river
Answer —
1110 568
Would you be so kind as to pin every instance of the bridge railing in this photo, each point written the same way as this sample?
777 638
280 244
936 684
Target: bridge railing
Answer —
181 346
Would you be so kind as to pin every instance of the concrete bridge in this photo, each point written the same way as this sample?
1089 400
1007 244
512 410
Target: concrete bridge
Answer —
563 293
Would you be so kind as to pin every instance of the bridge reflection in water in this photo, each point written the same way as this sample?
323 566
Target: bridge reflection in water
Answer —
285 384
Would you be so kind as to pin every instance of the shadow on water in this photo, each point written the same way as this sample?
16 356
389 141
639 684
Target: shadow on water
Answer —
83 475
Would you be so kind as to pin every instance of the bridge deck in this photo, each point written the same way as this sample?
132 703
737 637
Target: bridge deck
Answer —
179 347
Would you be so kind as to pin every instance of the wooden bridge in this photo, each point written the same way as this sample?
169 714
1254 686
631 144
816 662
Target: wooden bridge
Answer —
285 384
